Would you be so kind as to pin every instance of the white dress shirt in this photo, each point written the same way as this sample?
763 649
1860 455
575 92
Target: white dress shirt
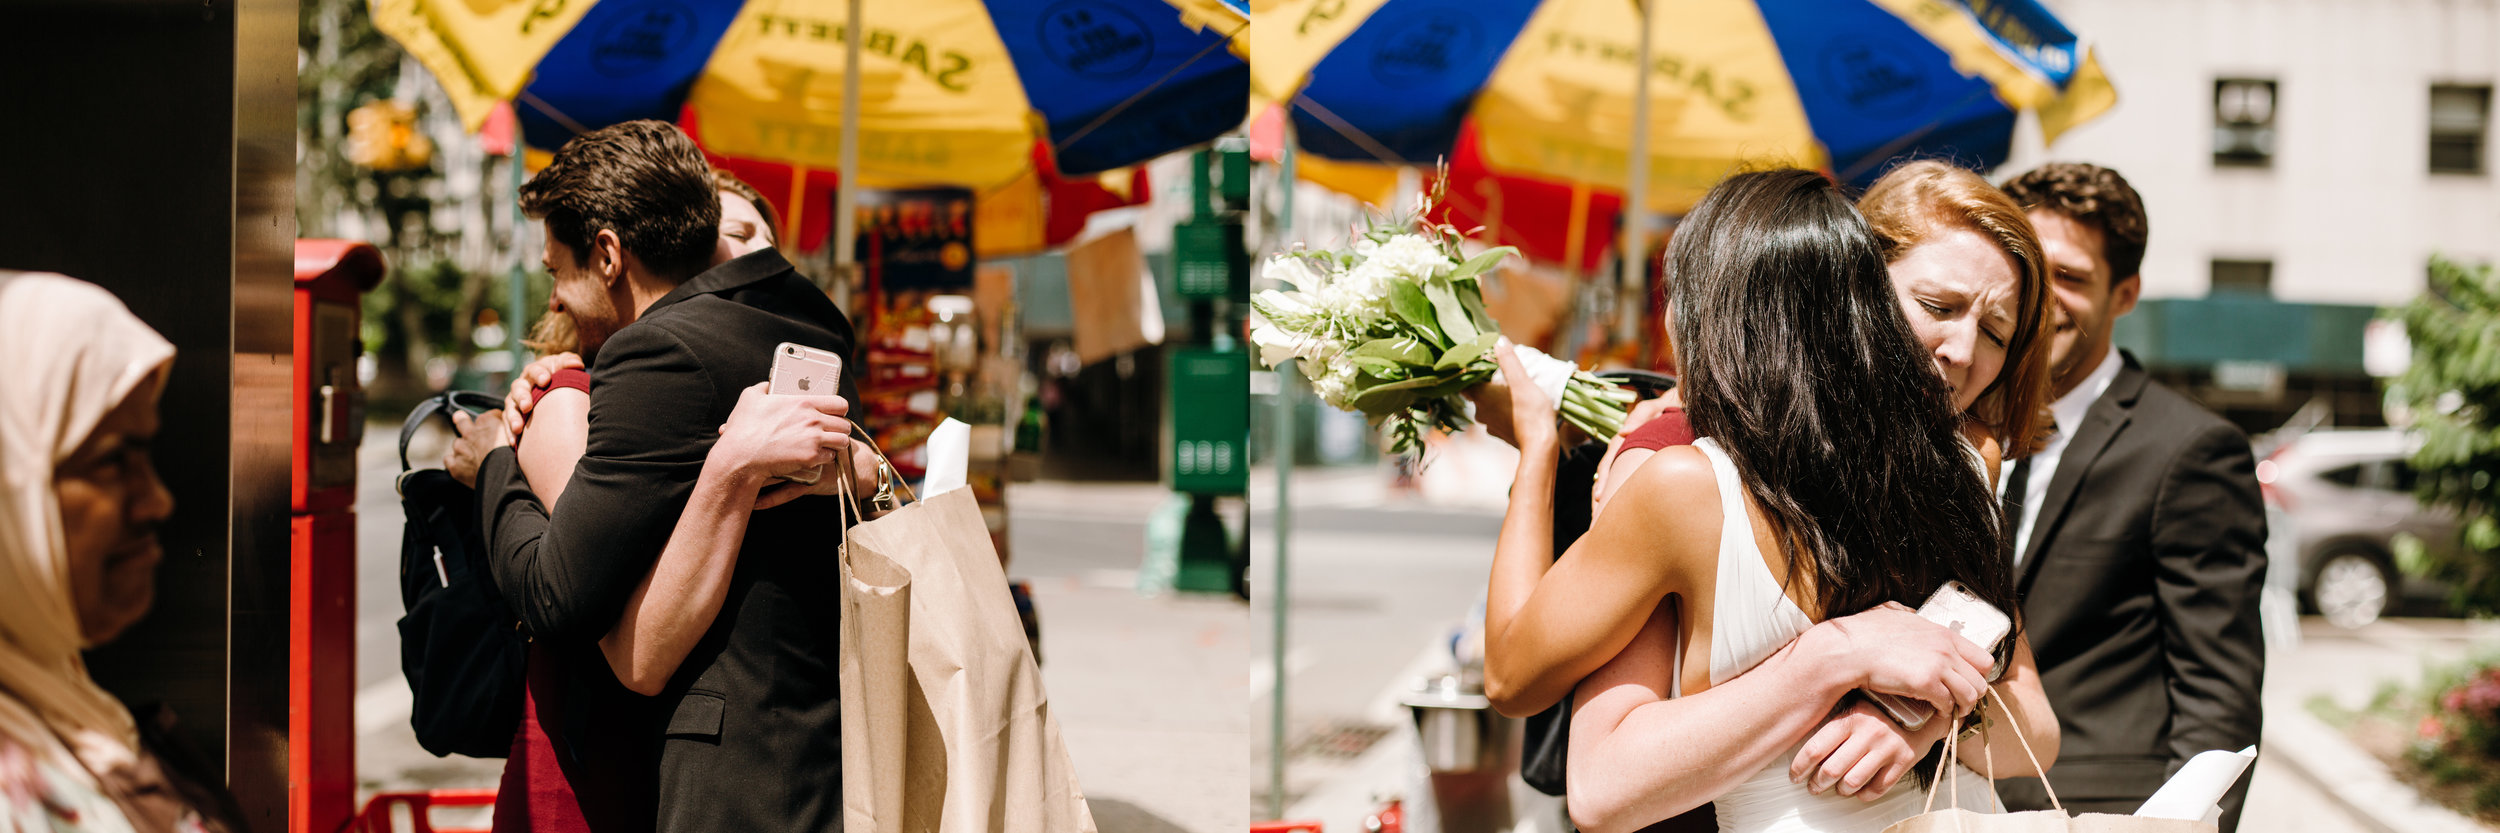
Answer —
2069 411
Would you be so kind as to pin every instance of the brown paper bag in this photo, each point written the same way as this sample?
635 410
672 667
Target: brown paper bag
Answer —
876 634
2040 821
1113 297
978 749
1957 820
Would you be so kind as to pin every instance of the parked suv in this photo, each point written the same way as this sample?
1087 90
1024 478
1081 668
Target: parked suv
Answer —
2348 494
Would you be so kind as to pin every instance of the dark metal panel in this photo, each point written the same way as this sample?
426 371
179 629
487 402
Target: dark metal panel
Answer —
264 302
119 172
149 149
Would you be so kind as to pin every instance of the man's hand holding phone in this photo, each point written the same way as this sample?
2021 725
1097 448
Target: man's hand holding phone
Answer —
771 436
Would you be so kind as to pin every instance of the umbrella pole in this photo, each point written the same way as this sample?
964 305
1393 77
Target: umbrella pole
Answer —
515 294
1636 185
1282 458
846 192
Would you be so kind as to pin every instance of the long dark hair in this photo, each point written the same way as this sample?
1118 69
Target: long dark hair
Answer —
1798 362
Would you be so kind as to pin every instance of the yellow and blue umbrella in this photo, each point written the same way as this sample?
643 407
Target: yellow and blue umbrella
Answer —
1840 85
952 92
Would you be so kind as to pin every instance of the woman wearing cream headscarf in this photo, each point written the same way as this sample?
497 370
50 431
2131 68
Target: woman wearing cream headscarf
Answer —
79 506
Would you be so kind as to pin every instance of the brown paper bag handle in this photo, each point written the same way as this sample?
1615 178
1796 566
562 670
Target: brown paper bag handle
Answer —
1944 770
849 496
849 503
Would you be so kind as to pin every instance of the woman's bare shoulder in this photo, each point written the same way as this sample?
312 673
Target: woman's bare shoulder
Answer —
1665 506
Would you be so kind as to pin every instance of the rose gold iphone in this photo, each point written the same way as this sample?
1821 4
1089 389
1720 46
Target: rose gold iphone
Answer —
1961 612
805 371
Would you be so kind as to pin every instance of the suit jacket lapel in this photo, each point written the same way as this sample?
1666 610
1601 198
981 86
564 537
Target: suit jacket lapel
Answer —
2101 424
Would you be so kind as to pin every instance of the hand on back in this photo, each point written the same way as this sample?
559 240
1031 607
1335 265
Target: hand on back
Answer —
1860 752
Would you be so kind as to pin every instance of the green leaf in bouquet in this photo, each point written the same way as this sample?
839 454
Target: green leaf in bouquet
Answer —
1391 358
1403 351
1447 311
1481 263
1380 368
1466 352
1393 396
1471 296
1408 304
1458 383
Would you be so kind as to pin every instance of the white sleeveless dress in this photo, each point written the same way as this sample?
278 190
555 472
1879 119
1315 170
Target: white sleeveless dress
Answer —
1751 619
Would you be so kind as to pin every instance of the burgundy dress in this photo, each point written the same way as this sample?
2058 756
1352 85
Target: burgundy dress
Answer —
1670 428
574 773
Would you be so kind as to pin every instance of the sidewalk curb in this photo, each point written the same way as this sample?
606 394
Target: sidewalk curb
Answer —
2352 778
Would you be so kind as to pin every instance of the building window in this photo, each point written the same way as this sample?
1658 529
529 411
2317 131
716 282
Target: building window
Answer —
2460 118
2243 277
2243 122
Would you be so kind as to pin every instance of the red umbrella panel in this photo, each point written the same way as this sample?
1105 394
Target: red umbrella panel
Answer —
1550 221
1571 224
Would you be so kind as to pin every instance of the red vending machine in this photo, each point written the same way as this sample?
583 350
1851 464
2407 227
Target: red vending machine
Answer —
331 276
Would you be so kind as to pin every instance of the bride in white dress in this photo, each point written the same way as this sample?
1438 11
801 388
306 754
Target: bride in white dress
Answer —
1855 487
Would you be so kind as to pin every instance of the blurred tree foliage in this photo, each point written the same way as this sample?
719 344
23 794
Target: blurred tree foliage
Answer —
425 311
2452 391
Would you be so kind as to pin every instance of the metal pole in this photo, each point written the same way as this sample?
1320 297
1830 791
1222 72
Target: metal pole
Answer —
1277 591
846 195
520 226
1636 187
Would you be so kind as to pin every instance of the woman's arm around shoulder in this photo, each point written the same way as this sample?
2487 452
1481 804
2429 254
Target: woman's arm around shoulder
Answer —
1659 534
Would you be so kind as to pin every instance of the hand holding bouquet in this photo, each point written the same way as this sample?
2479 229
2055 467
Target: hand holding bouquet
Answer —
1396 328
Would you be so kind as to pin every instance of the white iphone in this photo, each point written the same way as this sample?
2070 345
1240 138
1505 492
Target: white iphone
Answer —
1962 612
804 371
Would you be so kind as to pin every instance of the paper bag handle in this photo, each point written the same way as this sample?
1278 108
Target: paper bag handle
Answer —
1944 770
849 504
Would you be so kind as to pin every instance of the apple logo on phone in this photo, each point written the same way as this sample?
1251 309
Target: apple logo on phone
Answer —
803 383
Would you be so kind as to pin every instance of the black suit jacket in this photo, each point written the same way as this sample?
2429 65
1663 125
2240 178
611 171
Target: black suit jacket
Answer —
748 731
2140 595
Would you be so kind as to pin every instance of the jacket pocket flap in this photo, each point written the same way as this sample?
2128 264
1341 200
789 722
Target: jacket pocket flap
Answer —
698 715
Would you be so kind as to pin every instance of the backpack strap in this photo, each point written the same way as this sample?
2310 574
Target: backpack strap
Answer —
441 403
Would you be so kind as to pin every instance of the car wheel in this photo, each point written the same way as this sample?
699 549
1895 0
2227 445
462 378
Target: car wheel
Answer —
2350 589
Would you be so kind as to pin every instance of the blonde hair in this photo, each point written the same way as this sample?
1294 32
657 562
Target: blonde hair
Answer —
1915 200
554 333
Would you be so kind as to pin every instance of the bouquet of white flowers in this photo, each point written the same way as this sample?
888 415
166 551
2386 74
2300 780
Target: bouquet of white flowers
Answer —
1395 329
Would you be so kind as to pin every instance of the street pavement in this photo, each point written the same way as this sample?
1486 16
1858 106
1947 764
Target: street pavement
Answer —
1148 692
1381 576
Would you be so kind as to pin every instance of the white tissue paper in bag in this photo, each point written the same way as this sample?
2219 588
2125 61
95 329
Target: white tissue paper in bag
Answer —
2195 794
950 457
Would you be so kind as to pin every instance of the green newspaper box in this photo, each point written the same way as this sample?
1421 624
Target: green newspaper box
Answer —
1210 421
1212 260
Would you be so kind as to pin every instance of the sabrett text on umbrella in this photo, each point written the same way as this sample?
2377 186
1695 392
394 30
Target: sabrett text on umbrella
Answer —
951 65
1732 97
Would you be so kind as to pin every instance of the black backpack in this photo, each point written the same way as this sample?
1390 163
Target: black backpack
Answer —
464 654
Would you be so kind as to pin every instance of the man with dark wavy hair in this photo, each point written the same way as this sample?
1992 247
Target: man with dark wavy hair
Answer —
742 661
2139 539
